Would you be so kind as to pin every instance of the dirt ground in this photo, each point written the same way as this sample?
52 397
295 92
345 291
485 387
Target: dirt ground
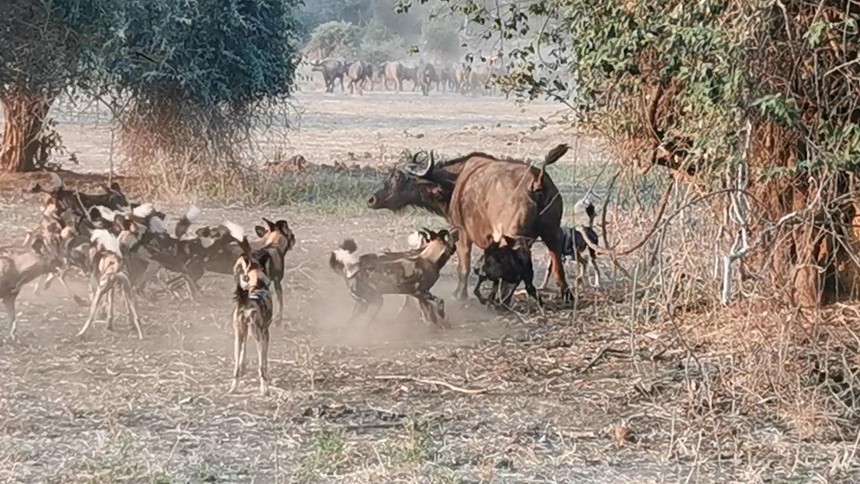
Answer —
577 394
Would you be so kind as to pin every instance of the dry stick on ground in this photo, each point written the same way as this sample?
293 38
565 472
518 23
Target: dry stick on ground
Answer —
467 391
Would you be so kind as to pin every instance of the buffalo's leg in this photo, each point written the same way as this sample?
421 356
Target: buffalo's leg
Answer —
546 277
553 242
464 254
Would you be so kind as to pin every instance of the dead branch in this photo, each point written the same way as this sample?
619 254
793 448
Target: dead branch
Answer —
467 391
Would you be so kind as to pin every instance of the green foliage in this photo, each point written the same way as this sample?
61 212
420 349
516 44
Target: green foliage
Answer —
714 66
208 52
379 44
333 39
43 43
443 38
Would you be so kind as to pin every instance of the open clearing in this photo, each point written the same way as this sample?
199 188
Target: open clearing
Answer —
529 397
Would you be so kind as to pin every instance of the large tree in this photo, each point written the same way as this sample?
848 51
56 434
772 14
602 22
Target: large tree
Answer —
177 74
757 98
41 45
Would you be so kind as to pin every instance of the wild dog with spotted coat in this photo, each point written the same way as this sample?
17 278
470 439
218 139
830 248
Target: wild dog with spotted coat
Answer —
253 312
412 273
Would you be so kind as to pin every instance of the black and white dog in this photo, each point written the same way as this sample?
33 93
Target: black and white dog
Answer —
574 245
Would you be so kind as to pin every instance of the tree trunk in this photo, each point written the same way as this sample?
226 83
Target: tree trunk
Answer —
807 263
25 117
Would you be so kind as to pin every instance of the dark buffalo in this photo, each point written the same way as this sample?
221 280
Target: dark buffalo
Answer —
332 70
448 78
426 77
410 73
481 195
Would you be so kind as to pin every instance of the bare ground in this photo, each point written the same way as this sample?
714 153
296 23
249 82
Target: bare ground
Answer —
586 393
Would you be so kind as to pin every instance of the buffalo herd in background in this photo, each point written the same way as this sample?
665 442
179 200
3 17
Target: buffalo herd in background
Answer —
356 76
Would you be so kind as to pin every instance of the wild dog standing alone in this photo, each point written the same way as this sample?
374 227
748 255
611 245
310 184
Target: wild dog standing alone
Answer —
506 259
412 273
253 312
112 277
574 245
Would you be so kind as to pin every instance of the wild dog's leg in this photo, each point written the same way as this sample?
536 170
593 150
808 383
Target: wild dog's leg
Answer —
262 360
375 305
110 309
464 254
530 288
402 311
279 293
435 308
357 310
193 288
132 308
596 268
427 313
94 306
241 333
477 290
508 294
582 268
9 304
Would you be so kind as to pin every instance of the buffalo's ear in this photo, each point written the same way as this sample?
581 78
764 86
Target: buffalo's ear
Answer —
260 231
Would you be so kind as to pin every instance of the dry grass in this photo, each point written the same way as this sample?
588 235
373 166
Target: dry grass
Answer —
649 379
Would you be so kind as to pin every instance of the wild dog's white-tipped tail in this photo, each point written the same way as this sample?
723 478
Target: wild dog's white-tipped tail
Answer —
56 180
415 240
193 214
156 225
143 211
106 241
348 259
106 213
236 232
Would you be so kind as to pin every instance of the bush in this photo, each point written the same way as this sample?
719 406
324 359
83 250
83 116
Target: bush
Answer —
333 39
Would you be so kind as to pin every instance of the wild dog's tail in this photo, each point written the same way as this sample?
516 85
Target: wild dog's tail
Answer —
185 222
585 207
239 235
343 258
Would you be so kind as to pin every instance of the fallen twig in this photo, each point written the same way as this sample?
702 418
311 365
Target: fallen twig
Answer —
468 391
606 350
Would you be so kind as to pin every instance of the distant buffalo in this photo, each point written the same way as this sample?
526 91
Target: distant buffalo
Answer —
332 70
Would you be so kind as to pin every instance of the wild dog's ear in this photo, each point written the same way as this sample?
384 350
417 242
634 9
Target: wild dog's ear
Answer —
455 236
260 231
444 235
269 224
116 188
529 241
95 214
37 188
509 241
282 225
